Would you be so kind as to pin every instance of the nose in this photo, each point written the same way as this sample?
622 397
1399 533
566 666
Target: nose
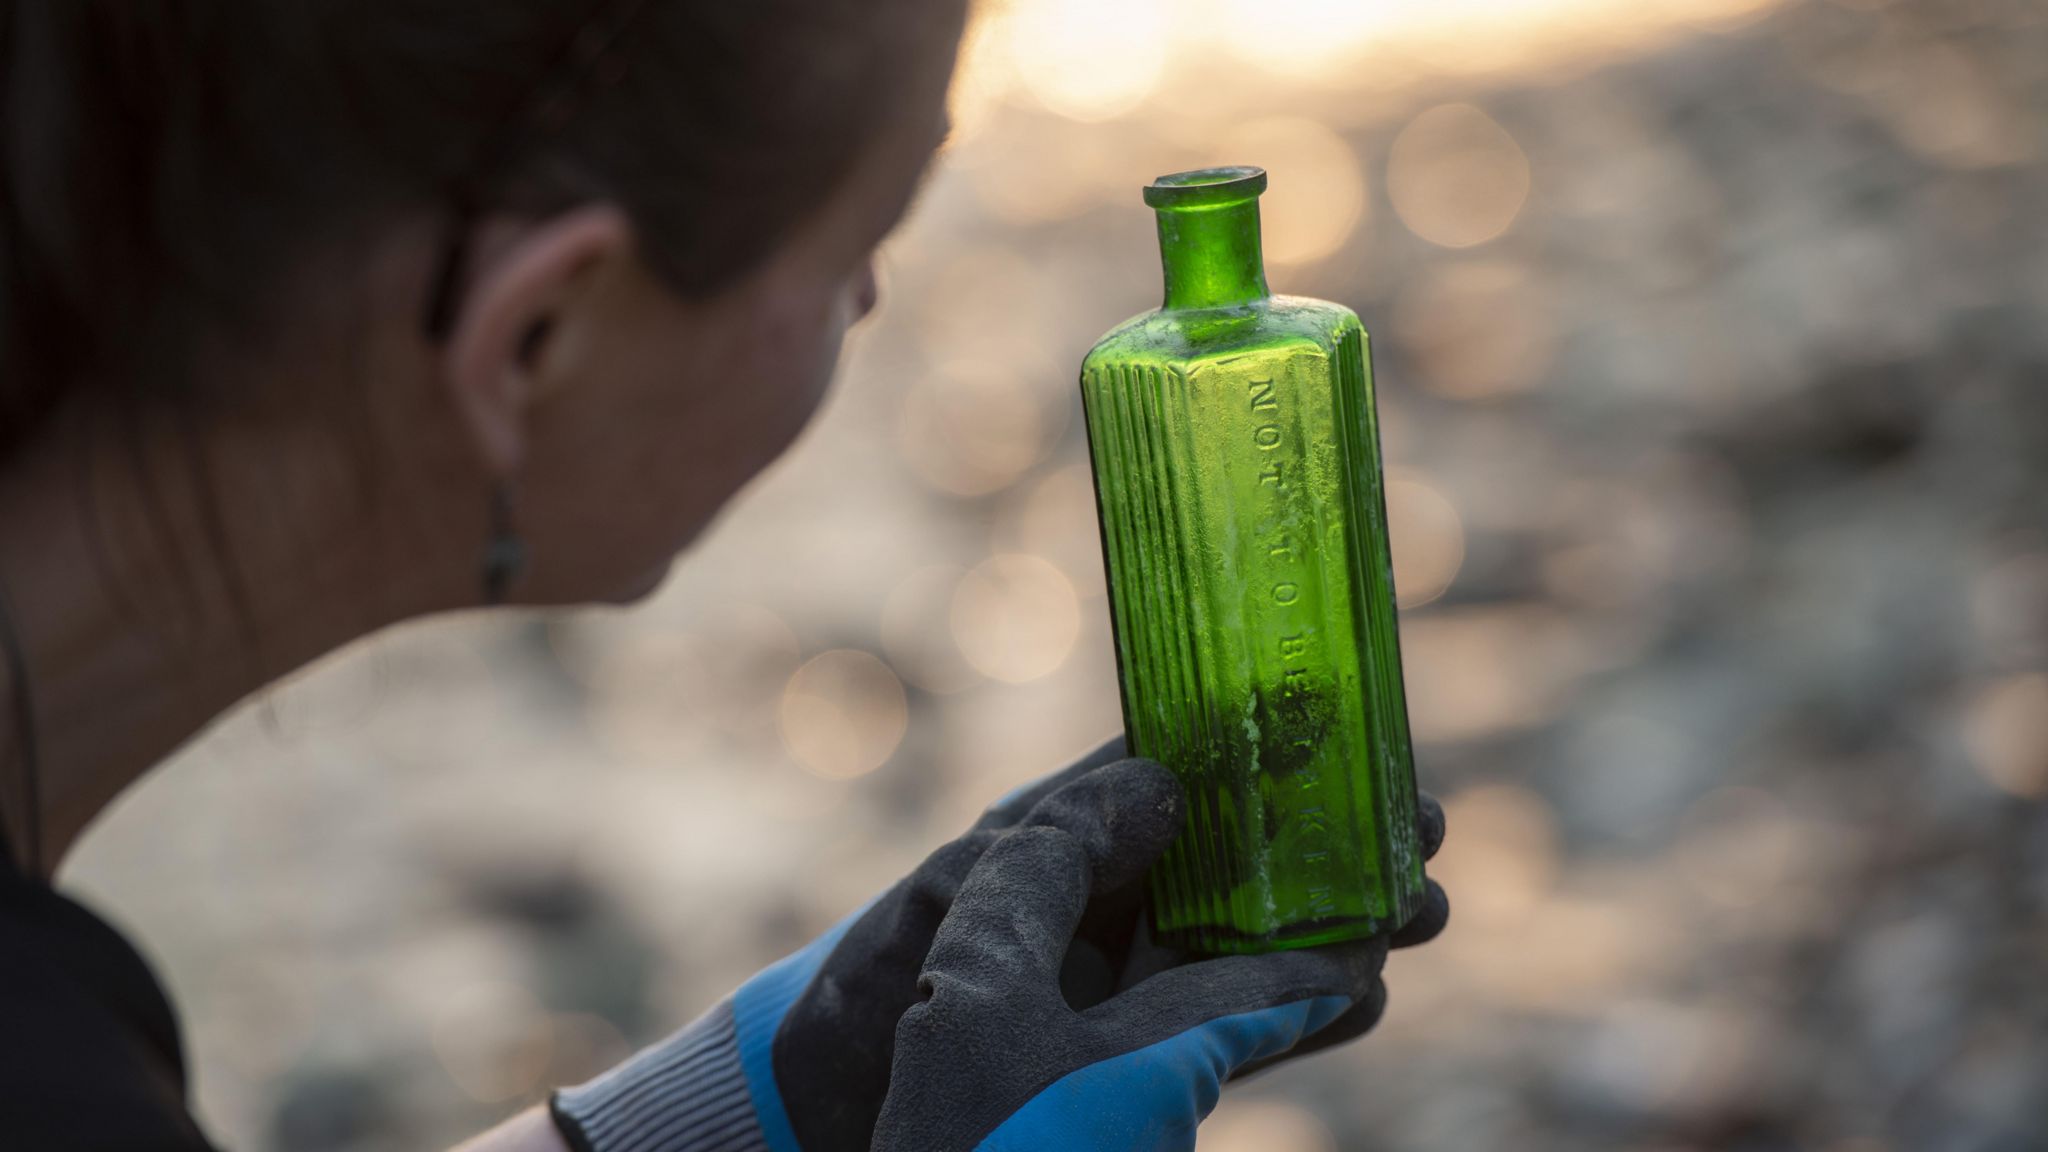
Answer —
867 292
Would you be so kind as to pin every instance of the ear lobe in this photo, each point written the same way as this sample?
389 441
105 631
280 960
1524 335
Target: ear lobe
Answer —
507 315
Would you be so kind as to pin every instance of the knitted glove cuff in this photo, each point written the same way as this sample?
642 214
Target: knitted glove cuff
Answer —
686 1094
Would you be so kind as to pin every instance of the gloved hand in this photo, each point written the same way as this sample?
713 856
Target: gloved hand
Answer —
995 1058
798 1058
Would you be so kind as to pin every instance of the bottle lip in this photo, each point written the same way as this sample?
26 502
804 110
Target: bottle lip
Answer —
1207 187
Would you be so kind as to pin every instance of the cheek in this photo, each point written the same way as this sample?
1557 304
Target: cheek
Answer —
790 358
695 415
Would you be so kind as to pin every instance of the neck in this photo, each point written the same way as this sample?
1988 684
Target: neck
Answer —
152 589
1212 255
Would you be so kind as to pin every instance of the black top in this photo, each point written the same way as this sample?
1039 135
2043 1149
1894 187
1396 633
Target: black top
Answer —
89 1049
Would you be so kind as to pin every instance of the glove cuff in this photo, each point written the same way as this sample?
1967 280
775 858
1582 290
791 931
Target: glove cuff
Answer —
686 1094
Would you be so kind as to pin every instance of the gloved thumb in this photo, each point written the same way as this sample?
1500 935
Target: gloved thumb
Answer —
1124 815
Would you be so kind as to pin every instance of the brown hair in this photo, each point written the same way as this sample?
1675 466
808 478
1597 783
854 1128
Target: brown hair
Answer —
166 165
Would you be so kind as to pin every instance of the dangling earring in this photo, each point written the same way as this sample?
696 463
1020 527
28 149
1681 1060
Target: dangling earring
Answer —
504 551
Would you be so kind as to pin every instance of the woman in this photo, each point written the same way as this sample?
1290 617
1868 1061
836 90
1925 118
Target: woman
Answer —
322 316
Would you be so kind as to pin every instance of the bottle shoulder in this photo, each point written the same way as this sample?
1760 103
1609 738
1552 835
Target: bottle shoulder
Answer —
1187 338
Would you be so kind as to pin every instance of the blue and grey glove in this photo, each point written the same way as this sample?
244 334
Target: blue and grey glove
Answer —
996 1057
798 1059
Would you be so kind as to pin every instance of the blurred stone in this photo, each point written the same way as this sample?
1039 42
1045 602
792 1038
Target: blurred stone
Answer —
334 1111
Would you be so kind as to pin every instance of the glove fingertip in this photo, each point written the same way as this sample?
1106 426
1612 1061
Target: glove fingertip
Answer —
1428 921
1124 813
1156 785
1429 820
1150 806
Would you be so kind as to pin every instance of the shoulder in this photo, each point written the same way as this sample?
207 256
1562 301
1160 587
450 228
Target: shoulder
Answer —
89 1056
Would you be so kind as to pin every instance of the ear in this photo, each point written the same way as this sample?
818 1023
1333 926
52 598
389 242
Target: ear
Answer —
509 309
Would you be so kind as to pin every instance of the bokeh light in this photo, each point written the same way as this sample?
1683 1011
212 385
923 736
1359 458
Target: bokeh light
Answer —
1315 195
2006 726
1302 36
1456 178
1427 538
1339 42
1504 858
1015 618
843 714
1088 60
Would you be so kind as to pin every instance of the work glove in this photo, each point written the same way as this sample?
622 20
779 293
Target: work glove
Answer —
798 1059
995 1057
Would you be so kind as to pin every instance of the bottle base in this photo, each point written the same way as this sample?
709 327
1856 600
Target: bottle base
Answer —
1221 941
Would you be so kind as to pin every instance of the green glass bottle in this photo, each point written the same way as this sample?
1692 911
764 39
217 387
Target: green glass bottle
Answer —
1237 472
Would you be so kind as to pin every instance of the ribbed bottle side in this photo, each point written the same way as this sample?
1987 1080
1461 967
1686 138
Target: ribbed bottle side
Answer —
1140 434
1251 591
1391 753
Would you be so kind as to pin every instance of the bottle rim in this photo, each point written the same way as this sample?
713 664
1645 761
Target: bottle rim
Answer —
1207 187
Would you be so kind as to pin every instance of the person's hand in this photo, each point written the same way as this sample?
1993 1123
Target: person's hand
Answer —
799 1057
994 1057
800 1054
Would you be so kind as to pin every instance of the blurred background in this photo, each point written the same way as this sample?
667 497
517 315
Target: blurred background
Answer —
1711 340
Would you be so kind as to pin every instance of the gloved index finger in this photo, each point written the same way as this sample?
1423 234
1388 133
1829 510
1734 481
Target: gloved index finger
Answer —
1429 920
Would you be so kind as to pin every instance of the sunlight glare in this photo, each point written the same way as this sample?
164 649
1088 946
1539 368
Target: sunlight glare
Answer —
1086 59
1296 35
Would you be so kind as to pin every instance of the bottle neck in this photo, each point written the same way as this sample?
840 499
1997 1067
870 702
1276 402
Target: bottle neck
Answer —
1212 255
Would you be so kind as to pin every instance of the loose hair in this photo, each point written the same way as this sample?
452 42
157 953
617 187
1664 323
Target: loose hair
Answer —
167 165
177 175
